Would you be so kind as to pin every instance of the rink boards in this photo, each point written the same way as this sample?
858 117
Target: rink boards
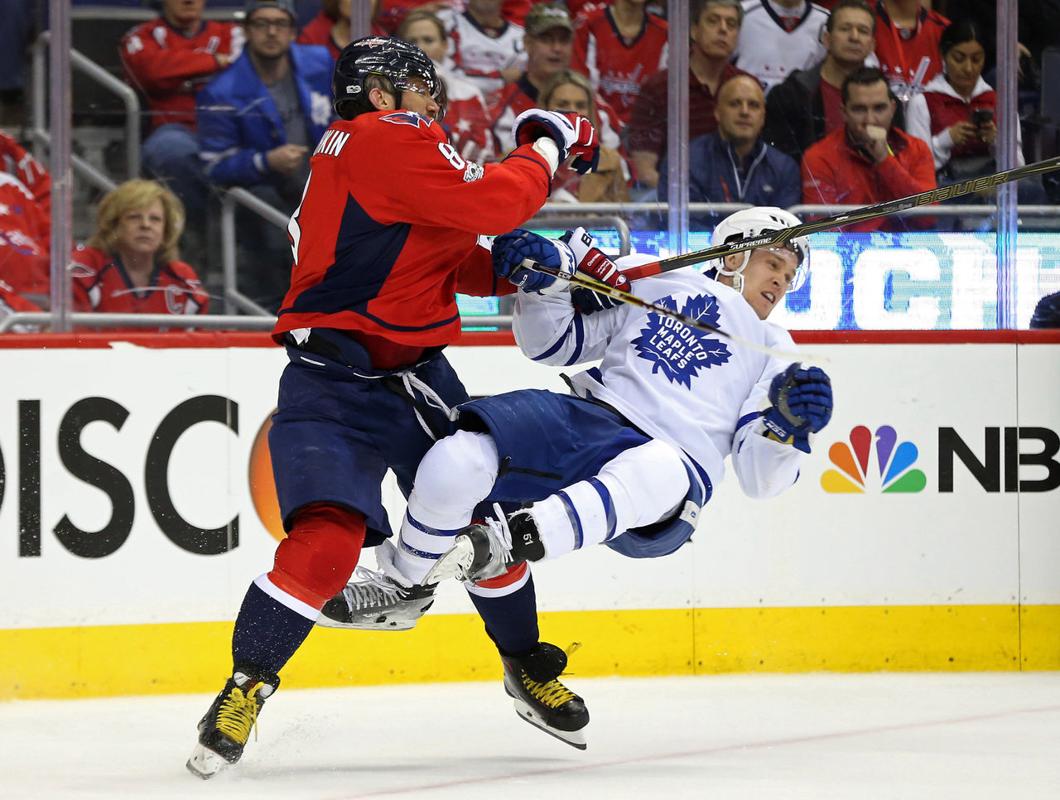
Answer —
136 504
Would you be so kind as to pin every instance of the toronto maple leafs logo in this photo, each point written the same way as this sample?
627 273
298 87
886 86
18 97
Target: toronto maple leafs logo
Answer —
678 350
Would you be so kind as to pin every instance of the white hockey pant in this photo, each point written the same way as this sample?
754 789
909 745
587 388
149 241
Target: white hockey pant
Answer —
639 486
456 475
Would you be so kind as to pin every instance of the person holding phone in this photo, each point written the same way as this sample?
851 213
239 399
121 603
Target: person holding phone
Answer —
955 114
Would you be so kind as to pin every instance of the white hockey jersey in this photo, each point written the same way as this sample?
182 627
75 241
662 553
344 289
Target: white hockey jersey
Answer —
770 51
480 57
698 392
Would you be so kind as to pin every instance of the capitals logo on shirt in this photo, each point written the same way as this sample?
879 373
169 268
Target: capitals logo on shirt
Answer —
408 118
676 349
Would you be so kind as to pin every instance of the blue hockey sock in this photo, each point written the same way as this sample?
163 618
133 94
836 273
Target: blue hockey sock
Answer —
267 633
511 620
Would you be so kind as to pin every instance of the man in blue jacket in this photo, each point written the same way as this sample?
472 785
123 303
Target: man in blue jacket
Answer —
734 164
259 121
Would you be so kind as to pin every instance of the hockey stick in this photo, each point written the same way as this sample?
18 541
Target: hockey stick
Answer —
885 209
781 237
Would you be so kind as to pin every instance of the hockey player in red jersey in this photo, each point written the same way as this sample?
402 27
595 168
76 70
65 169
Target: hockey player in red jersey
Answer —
386 234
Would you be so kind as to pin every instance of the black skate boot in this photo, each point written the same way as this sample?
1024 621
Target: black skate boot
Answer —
540 699
377 603
486 550
224 731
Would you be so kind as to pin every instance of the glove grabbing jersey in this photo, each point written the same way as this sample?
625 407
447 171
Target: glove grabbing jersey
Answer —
574 136
510 250
801 404
592 262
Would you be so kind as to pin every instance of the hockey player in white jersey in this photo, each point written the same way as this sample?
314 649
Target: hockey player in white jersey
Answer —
631 457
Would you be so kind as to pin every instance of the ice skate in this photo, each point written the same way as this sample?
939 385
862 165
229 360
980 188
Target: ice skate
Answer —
224 731
480 552
540 699
374 602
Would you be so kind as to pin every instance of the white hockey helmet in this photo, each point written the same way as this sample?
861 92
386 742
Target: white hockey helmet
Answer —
750 222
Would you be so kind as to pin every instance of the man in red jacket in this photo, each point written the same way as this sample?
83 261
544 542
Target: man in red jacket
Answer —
168 60
868 160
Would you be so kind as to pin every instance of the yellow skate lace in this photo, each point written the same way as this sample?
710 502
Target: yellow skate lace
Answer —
238 714
552 693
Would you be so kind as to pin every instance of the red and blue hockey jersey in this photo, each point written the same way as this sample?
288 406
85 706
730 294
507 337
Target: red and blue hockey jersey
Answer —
387 231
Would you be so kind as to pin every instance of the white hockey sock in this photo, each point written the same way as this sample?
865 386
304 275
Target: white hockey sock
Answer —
639 486
457 474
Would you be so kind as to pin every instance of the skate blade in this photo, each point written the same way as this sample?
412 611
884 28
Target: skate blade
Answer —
205 763
380 623
385 625
456 563
573 738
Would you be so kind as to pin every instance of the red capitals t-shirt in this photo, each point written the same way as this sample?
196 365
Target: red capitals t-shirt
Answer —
169 67
618 68
102 284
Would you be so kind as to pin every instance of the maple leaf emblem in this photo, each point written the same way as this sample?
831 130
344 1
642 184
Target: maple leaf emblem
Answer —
680 351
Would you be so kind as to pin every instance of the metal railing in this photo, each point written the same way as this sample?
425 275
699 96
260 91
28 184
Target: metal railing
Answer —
82 63
104 320
234 299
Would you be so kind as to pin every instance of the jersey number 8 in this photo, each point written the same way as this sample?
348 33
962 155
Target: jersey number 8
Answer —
451 155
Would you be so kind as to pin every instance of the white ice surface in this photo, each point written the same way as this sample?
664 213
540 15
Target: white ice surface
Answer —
892 736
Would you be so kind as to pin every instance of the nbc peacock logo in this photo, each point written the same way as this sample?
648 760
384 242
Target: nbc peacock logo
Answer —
894 462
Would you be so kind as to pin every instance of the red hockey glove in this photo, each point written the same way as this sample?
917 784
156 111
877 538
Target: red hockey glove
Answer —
594 263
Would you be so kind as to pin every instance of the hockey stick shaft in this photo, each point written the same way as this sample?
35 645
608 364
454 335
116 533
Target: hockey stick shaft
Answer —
852 217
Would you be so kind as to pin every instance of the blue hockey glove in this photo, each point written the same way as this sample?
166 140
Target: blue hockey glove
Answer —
801 404
574 136
592 262
512 249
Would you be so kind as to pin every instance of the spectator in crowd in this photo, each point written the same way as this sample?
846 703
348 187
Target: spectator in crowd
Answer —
619 47
807 105
330 28
955 113
734 164
130 265
258 122
869 160
487 48
16 160
714 28
548 43
389 14
25 225
907 44
779 36
609 182
466 118
168 60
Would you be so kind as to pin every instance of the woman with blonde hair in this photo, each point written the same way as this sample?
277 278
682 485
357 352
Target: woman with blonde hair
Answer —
131 263
569 90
